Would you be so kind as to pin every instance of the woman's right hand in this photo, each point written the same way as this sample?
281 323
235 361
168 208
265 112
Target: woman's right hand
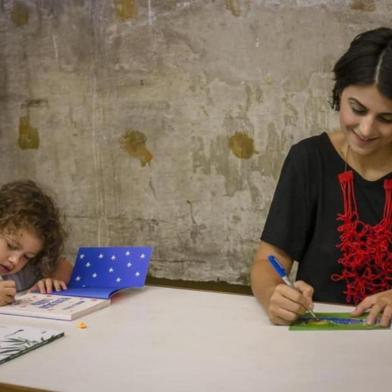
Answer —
7 292
286 303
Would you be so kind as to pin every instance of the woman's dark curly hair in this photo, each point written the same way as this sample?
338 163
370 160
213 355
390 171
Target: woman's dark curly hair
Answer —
25 206
367 61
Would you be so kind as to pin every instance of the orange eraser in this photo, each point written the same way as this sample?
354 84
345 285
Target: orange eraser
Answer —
82 325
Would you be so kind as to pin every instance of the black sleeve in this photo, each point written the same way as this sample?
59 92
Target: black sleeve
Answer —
290 220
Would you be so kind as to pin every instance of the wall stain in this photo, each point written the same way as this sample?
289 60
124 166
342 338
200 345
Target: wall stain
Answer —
241 145
234 7
212 160
271 159
28 136
259 95
196 230
20 14
363 5
126 9
248 102
134 143
36 103
290 113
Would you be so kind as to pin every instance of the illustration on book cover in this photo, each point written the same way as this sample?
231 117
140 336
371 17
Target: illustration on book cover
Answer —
332 321
18 340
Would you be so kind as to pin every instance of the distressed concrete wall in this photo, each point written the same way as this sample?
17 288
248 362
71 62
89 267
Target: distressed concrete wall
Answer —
165 122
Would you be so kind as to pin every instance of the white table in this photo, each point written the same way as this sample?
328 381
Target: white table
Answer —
163 339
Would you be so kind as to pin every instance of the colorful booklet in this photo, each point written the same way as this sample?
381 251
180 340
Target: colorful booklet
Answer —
332 322
18 340
102 271
57 307
98 273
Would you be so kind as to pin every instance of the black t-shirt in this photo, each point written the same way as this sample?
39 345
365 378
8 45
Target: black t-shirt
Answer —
302 217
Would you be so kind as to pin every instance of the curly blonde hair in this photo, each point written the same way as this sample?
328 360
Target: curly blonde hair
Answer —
25 206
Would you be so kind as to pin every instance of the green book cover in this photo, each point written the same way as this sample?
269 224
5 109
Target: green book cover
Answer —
332 322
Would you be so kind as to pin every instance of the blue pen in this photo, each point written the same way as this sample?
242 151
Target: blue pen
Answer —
282 273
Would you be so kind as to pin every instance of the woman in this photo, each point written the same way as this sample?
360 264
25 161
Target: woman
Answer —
332 208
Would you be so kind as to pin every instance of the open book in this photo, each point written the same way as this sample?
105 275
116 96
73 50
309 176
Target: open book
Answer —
16 340
52 306
98 273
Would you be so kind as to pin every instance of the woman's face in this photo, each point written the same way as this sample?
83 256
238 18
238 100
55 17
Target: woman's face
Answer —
366 118
16 249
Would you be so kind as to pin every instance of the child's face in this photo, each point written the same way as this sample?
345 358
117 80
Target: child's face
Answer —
16 249
366 116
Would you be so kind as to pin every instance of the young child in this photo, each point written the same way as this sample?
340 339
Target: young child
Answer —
332 208
31 239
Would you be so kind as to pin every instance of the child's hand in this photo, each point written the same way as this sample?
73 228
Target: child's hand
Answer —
47 285
288 303
378 305
7 292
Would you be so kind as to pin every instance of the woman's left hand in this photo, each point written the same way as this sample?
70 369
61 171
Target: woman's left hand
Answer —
47 285
379 307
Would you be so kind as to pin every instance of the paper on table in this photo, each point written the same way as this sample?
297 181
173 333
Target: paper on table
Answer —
332 322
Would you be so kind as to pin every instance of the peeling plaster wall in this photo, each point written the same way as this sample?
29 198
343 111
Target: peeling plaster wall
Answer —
166 122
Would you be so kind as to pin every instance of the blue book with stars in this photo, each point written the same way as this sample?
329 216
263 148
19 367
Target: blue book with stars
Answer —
99 272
